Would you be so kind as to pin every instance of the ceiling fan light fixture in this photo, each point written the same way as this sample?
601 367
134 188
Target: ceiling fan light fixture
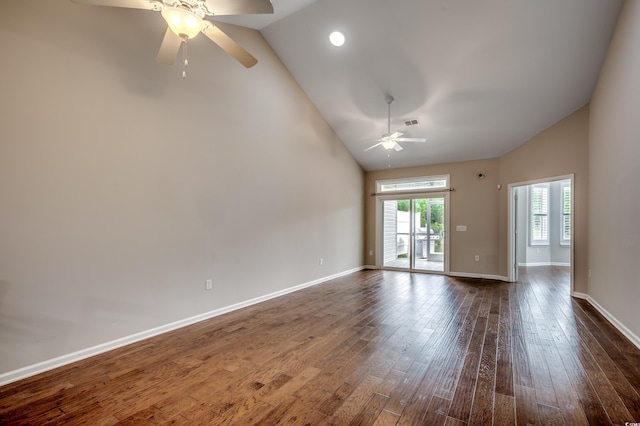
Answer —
390 140
182 21
388 144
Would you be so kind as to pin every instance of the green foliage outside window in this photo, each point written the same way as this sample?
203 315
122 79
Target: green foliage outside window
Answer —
437 213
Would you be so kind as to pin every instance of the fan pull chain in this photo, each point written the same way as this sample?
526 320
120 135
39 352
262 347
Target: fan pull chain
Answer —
184 56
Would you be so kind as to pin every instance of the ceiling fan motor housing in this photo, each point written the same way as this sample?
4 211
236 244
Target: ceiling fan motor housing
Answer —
390 140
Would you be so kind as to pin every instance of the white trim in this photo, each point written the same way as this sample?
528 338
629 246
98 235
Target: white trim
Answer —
613 320
543 180
41 367
484 276
544 264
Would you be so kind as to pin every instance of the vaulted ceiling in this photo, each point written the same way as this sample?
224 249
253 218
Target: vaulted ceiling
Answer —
480 76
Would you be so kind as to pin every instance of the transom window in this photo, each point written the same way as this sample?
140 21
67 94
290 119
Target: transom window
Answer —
413 184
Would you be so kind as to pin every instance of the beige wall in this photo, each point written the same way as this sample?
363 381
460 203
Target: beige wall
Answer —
561 149
124 187
614 171
478 204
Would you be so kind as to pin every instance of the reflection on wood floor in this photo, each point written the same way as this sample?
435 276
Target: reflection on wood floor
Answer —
373 347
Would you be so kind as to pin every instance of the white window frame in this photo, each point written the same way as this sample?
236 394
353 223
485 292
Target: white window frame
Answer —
423 184
564 215
534 215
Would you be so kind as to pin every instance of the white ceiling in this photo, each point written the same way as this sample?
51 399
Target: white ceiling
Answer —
281 8
481 76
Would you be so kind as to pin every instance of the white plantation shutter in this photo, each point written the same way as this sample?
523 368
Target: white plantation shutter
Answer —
566 214
539 207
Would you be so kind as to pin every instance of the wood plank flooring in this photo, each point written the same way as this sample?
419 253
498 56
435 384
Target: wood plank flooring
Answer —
370 348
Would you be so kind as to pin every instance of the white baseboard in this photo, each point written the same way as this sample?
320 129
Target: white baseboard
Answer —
41 367
482 276
613 320
543 264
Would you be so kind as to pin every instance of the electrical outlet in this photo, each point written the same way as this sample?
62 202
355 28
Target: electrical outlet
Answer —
208 285
321 261
370 252
477 258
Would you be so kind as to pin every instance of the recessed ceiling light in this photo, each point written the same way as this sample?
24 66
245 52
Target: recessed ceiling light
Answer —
336 38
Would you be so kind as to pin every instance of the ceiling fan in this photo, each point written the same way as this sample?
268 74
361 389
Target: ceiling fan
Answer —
390 140
185 20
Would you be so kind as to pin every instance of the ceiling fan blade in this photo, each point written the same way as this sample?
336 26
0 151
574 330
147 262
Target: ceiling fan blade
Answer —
169 48
373 146
397 147
395 135
227 44
132 4
411 140
239 7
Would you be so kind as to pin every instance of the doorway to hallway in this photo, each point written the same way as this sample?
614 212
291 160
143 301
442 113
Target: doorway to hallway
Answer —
541 224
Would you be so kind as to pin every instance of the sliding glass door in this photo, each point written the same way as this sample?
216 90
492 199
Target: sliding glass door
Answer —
413 233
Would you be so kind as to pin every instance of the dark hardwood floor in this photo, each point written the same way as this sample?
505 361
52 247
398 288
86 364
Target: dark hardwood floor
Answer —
374 347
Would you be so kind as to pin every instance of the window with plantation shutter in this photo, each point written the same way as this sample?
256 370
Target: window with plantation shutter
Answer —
539 208
565 238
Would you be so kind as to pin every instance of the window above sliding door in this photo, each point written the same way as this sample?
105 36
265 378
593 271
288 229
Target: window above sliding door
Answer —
419 184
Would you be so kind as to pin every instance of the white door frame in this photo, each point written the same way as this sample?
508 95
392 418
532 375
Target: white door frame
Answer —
511 225
410 196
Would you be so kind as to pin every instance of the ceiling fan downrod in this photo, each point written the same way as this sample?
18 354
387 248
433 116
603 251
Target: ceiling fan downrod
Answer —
389 100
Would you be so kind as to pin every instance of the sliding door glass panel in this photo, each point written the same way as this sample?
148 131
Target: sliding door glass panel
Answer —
396 233
428 236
